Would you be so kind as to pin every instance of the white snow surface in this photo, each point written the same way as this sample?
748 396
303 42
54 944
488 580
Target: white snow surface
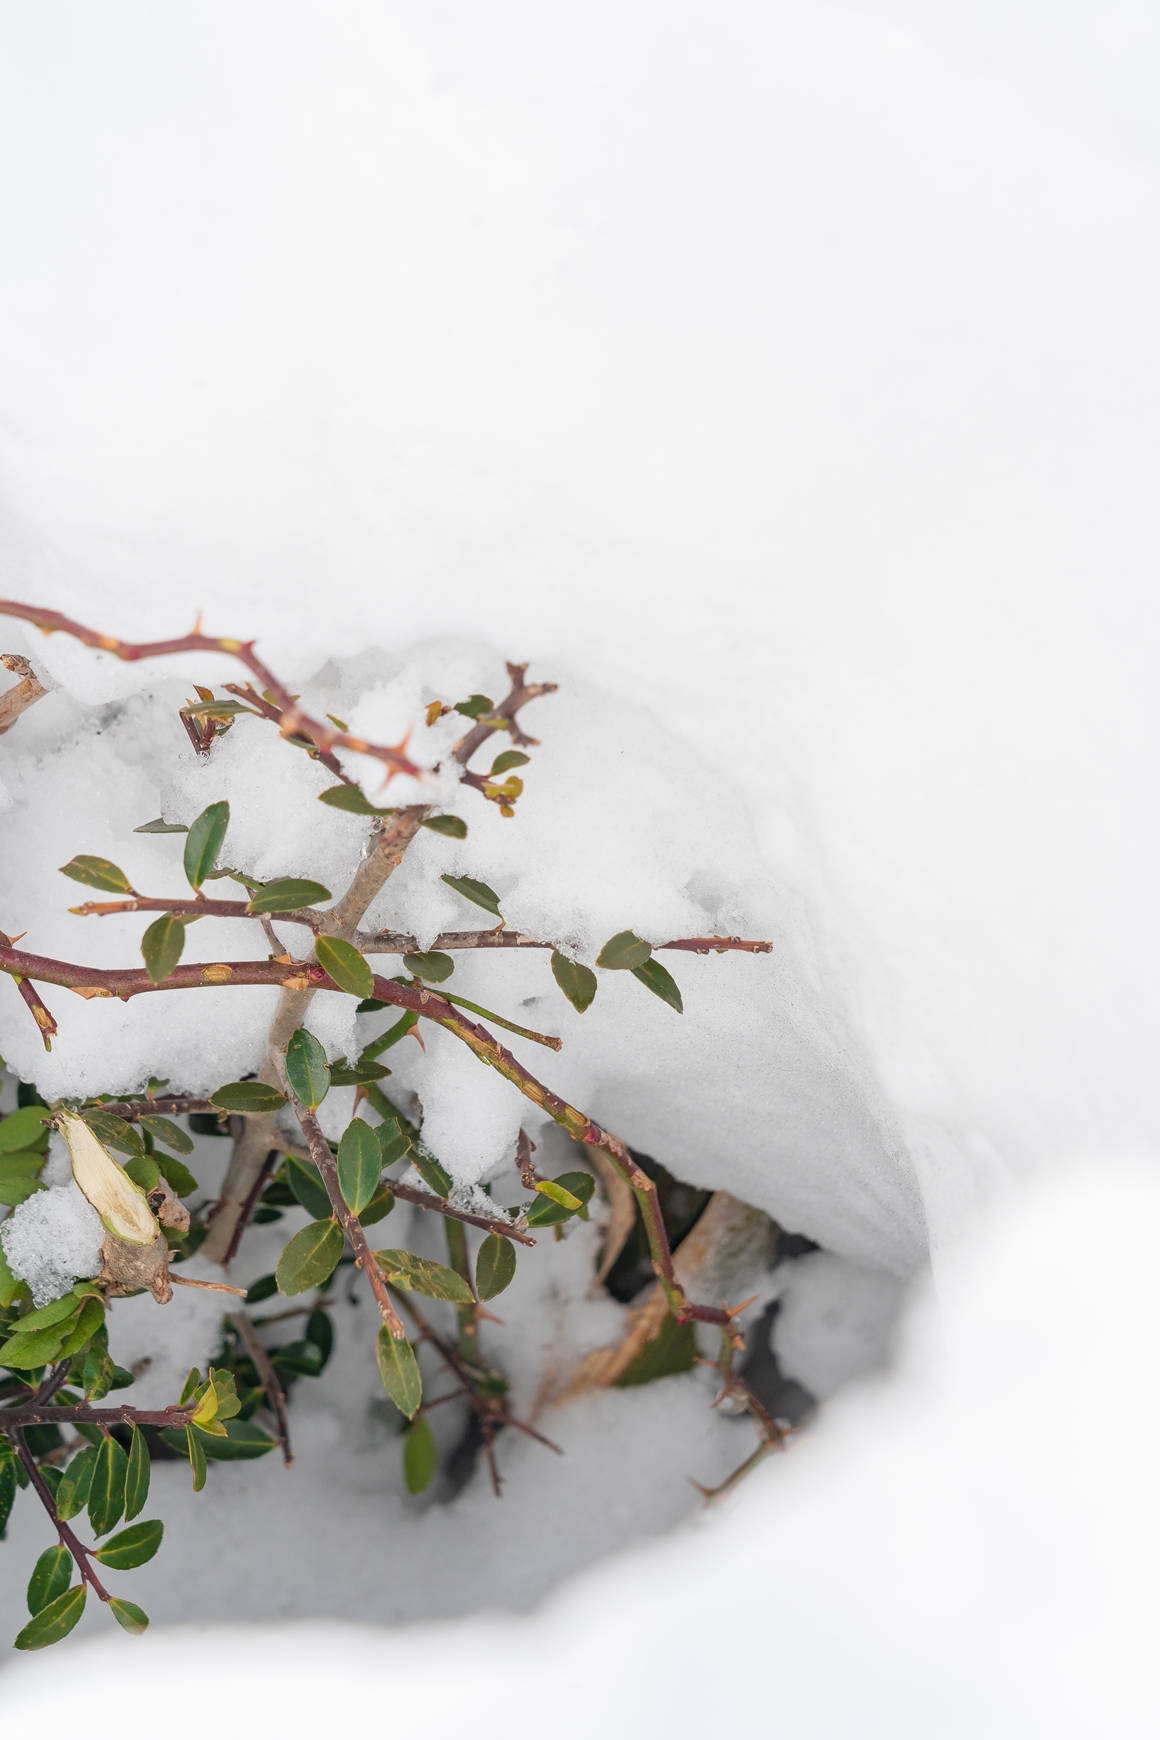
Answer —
966 1551
781 381
53 1239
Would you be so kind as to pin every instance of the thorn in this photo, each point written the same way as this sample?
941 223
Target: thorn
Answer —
197 623
738 1309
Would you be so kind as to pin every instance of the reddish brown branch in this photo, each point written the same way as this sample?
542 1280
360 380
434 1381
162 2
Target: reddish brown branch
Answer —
250 1204
292 720
81 1555
14 1418
195 908
267 1377
266 710
423 1199
518 696
350 1223
397 942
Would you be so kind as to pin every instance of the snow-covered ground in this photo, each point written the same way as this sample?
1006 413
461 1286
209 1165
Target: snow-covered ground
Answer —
782 381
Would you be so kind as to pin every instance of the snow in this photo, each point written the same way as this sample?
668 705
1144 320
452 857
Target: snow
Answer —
52 1239
781 381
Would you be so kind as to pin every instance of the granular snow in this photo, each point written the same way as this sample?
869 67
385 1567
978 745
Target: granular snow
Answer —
53 1239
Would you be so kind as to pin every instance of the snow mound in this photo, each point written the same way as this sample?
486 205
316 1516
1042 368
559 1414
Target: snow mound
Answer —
52 1240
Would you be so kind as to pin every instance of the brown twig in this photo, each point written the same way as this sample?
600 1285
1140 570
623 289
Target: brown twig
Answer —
81 1555
250 1205
293 721
308 916
18 699
267 710
111 982
267 1377
438 1205
209 1286
14 1418
351 1226
395 942
167 1105
518 696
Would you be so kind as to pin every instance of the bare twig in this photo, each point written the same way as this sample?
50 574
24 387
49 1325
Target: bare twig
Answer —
209 1286
18 699
14 1418
351 1226
267 1377
250 1204
438 1205
292 721
396 942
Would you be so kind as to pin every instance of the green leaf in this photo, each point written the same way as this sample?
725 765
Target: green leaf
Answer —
8 1467
548 1187
453 826
247 1096
204 842
107 1492
419 1457
379 1206
132 1547
305 1180
128 1615
475 707
195 1443
393 1143
22 1129
508 759
661 983
50 1578
73 1492
287 894
495 1266
144 1171
432 1173
420 1275
399 1370
98 1373
169 1134
91 1319
353 799
306 1068
28 1352
310 1258
97 873
137 1475
18 1183
432 966
160 826
54 1621
343 1074
243 1442
178 1177
577 982
477 892
264 1288
46 1315
549 1210
345 965
672 1349
161 946
360 1161
113 1132
623 952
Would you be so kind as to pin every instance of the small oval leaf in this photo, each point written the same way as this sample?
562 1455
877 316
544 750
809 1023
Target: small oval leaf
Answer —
305 1180
54 1621
432 966
287 894
178 1177
107 1492
97 873
420 1275
306 1068
623 952
204 842
310 1258
477 892
495 1266
163 1131
399 1370
137 1476
353 799
50 1577
661 983
128 1615
161 946
132 1547
420 1459
73 1492
23 1129
114 1132
247 1096
557 1193
454 827
577 982
508 759
345 965
360 1161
